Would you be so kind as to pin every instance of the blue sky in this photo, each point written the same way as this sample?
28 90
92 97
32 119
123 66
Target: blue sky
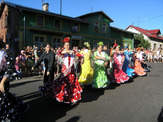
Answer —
146 14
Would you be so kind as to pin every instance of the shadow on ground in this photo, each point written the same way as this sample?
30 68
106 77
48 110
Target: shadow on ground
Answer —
89 94
43 109
160 117
22 83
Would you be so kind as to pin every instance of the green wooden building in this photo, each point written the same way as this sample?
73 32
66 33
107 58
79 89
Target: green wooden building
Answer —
36 27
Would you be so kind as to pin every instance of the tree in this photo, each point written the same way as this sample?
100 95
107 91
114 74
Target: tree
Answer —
142 42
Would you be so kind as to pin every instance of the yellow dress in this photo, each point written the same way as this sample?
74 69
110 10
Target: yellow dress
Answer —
86 76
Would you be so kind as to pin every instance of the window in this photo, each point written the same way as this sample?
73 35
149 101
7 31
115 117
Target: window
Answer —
154 46
39 41
40 20
56 42
160 45
76 27
2 23
6 20
96 26
104 28
58 23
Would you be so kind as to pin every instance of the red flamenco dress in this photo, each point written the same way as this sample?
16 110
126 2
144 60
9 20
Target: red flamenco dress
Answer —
66 87
117 75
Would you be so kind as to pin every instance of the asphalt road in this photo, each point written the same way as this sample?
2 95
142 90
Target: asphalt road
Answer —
140 100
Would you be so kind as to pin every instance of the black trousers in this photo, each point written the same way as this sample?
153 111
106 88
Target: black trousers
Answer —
48 78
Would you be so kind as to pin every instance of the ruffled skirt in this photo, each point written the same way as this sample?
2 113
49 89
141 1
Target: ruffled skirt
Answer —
11 107
117 75
64 89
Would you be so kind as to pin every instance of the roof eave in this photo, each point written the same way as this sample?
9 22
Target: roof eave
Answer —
42 12
122 30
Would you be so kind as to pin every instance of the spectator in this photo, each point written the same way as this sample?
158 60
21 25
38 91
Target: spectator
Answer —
22 60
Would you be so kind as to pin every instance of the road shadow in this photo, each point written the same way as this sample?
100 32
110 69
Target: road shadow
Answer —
43 109
73 119
129 81
89 94
22 83
112 86
160 117
30 95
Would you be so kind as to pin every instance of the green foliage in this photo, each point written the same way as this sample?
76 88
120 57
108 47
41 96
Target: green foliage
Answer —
143 43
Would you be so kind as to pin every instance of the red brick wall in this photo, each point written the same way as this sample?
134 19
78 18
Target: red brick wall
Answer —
3 29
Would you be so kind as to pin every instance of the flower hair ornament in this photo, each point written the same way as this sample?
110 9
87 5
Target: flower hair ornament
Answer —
86 44
67 39
100 44
138 48
115 45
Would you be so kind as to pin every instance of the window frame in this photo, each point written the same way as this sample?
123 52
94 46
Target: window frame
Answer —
43 20
78 30
55 21
55 37
98 26
105 27
38 35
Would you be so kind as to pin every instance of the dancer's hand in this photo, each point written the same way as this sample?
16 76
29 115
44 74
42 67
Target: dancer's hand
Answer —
2 89
82 60
47 73
104 58
106 63
32 69
71 52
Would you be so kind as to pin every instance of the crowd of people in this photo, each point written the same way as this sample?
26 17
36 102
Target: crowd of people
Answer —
66 70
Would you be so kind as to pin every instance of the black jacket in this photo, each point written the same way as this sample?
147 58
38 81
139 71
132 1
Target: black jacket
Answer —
48 59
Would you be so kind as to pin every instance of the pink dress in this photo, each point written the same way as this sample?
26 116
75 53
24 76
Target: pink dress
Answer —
17 65
66 88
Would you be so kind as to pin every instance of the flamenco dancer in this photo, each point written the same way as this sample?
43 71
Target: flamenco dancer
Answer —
100 79
86 76
66 87
137 67
11 108
117 75
125 67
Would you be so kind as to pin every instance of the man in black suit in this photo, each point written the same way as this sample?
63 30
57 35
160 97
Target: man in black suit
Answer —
48 57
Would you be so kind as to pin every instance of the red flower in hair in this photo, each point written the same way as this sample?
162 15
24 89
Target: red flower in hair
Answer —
115 45
67 39
138 48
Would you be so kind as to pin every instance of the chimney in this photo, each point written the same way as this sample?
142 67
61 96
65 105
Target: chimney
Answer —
45 7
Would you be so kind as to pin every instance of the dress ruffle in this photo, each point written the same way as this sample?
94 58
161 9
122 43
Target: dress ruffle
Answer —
64 89
11 107
100 79
138 69
117 75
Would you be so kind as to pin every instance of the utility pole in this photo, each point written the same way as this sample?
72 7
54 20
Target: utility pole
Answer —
42 2
60 7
